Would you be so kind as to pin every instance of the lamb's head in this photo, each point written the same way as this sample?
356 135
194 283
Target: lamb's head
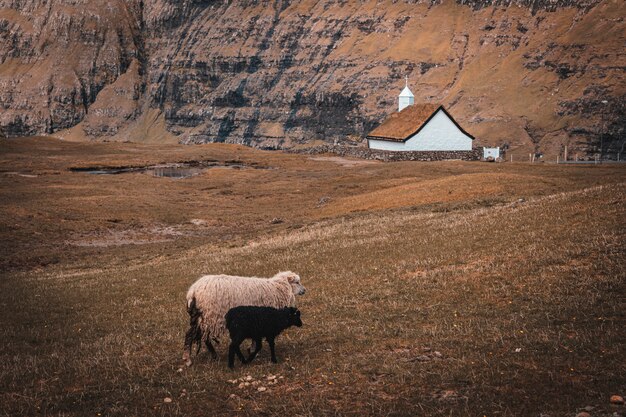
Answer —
294 317
294 280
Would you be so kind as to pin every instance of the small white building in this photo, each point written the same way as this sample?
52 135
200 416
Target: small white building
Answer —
491 153
419 127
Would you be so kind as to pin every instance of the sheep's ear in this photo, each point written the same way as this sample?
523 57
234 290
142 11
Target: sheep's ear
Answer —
291 278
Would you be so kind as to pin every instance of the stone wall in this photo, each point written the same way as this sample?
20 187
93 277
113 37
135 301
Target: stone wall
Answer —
373 154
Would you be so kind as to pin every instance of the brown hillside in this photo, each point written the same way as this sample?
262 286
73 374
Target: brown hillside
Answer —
537 75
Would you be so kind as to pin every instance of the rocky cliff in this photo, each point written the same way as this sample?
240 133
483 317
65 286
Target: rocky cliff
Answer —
533 74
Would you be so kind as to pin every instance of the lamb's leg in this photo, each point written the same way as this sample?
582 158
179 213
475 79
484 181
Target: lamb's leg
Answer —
270 341
234 349
231 355
240 355
257 348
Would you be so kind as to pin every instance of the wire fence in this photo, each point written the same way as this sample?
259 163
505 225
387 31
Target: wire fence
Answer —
559 159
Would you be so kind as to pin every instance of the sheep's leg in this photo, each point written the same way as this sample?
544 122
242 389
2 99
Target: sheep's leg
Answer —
270 341
257 347
190 337
194 334
198 340
252 347
210 347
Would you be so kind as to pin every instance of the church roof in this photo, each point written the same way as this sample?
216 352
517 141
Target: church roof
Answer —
402 125
406 92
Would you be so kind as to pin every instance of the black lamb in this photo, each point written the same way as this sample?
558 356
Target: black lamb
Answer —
256 323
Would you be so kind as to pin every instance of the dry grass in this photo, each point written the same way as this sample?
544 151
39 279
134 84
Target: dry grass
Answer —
523 300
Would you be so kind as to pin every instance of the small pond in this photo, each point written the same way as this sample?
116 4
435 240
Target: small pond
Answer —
175 170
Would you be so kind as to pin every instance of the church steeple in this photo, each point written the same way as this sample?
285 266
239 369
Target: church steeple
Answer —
406 97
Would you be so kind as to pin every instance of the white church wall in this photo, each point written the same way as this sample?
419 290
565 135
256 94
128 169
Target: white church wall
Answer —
439 134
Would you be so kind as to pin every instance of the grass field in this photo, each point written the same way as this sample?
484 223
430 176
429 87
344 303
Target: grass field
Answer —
448 288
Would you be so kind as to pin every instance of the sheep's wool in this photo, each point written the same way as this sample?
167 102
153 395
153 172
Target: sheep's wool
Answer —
216 294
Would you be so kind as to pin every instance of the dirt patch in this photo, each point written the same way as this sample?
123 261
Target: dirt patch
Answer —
114 237
344 162
412 192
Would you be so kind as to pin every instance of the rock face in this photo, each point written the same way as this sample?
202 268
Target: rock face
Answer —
59 62
534 74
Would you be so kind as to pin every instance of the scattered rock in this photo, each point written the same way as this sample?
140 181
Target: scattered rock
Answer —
422 358
438 354
589 408
232 396
583 414
183 393
167 400
323 201
197 222
271 377
242 385
616 399
261 389
276 220
448 395
248 378
179 370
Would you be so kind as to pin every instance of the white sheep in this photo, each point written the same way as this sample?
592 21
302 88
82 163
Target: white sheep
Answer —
211 296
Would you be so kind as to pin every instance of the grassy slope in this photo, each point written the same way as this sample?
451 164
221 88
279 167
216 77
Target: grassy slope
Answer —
474 279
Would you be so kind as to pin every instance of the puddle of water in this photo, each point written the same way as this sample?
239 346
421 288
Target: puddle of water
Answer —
103 171
180 170
175 172
19 174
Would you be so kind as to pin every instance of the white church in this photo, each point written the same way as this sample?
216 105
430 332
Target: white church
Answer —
419 127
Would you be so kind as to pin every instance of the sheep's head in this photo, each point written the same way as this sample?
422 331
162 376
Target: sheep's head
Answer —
294 280
294 317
